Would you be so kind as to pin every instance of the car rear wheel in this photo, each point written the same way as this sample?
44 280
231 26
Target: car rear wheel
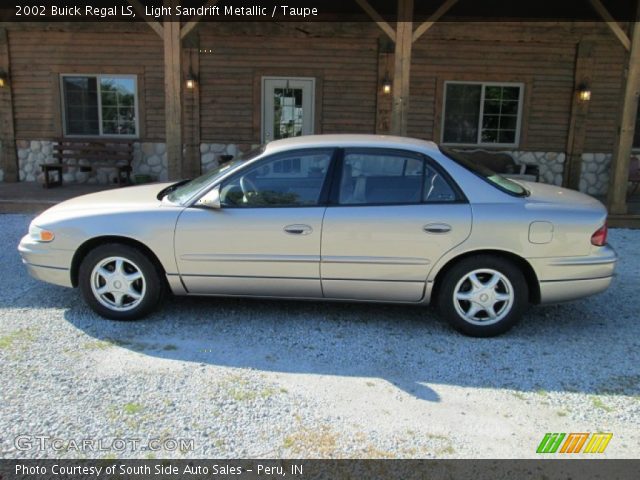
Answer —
120 282
483 296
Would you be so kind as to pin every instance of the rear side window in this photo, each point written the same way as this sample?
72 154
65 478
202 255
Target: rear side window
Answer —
390 178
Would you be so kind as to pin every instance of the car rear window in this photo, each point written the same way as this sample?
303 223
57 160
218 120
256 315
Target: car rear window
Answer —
498 181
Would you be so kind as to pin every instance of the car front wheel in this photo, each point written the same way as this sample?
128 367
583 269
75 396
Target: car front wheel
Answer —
119 282
483 296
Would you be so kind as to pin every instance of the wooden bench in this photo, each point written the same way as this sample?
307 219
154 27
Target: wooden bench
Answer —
503 163
116 154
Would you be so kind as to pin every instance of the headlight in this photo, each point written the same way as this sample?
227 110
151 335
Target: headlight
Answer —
40 234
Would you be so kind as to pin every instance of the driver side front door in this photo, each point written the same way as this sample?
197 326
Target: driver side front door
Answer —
265 240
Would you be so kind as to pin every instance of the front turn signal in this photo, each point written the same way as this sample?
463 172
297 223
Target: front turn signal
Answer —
40 234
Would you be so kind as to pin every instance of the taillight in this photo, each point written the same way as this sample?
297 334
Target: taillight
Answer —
599 237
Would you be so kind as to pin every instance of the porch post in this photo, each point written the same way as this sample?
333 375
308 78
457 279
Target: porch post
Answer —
191 107
173 93
577 121
8 158
617 196
402 69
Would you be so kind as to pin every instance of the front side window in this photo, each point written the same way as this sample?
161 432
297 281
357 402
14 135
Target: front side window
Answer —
482 113
292 179
388 178
99 105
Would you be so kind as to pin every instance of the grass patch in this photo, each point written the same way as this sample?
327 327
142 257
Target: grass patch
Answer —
241 390
97 345
116 342
561 413
599 404
317 442
18 338
132 408
434 436
448 450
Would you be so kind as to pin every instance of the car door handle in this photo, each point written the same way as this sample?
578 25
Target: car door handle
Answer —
437 228
298 229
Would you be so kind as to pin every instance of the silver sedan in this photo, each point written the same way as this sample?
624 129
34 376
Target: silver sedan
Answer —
333 217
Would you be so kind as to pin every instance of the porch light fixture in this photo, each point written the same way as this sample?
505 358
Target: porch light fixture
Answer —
386 84
191 80
4 79
584 92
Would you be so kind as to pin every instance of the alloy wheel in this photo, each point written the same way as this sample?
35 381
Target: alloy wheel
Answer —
483 297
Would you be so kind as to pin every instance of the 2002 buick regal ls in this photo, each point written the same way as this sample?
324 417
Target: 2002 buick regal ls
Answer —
336 217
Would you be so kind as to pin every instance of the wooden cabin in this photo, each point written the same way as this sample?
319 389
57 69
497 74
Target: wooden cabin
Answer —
561 95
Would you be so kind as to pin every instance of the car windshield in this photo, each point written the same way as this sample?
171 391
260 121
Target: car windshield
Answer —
504 184
186 190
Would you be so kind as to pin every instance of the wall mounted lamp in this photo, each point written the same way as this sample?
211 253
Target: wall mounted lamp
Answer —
584 92
4 79
386 84
190 81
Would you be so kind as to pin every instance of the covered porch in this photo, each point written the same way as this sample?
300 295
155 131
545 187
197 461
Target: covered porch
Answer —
184 140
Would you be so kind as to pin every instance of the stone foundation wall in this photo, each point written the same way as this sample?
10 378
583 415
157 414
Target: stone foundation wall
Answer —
32 154
150 158
594 176
550 164
210 153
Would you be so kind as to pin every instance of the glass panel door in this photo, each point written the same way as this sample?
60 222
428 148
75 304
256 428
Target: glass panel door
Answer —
287 105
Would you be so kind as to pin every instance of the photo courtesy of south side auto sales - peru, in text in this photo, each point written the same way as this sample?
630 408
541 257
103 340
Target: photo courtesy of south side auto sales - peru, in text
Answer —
158 469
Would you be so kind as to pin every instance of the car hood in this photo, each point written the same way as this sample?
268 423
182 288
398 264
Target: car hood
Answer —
115 198
552 195
127 199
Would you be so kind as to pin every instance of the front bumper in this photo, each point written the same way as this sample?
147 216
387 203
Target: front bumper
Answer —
45 262
569 278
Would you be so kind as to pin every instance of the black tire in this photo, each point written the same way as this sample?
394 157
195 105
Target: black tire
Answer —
149 287
480 324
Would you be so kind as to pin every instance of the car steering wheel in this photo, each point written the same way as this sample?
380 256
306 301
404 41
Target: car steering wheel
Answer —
249 188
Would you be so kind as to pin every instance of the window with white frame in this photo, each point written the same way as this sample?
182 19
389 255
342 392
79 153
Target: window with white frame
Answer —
100 105
482 113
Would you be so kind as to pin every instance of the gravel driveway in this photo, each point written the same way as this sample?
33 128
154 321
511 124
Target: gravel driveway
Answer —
252 378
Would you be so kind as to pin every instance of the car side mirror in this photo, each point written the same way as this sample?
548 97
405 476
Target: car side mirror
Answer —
211 199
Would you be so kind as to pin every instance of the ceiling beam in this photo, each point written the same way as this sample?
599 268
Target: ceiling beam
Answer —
611 23
386 28
186 29
154 24
444 8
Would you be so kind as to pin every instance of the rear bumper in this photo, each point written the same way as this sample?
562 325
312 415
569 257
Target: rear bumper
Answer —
565 290
569 278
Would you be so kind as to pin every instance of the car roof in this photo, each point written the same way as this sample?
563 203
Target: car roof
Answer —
350 140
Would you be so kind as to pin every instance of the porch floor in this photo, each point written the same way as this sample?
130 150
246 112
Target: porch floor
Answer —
31 197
